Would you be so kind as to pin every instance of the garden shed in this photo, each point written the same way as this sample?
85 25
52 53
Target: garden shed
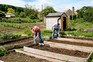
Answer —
54 18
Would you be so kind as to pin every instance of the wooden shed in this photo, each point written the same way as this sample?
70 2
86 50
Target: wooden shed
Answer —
54 18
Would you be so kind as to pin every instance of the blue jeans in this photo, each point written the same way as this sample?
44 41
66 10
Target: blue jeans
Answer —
55 31
40 37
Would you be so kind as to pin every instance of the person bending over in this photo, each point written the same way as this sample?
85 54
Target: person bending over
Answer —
37 34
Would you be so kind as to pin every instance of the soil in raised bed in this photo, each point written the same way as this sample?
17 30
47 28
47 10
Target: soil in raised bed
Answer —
72 43
18 57
75 53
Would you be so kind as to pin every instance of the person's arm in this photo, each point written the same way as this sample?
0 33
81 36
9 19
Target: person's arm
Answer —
37 36
32 32
52 29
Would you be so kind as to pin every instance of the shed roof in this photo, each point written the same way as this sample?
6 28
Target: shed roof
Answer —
55 14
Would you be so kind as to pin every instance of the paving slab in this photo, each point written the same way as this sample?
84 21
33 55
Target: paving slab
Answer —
57 56
70 47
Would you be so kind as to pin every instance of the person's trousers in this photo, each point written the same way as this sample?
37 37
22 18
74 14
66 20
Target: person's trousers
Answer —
55 31
40 37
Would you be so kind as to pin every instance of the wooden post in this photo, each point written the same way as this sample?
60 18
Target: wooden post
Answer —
67 22
61 23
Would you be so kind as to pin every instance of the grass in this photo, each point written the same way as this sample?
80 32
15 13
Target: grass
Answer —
80 24
46 32
79 33
77 27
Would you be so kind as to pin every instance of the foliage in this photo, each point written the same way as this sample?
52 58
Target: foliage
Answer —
28 32
2 14
20 12
10 11
4 7
18 20
31 13
14 25
88 15
47 10
9 36
79 24
3 51
22 15
91 58
86 12
79 33
46 33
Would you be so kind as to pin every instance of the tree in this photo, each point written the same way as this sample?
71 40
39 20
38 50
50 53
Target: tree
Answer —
10 10
2 14
31 13
82 11
47 10
86 13
22 14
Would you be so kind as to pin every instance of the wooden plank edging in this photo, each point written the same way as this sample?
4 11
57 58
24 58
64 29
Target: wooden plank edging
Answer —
54 55
70 47
38 56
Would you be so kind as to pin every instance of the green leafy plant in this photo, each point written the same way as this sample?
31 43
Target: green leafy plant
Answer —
9 36
28 32
3 51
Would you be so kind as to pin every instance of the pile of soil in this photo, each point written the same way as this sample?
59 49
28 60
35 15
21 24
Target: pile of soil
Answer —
72 43
17 57
75 53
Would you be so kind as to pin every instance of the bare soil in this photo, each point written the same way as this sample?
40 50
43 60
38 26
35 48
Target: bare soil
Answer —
17 57
9 29
72 43
75 53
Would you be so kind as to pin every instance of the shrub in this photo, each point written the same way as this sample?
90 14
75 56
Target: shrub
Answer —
3 51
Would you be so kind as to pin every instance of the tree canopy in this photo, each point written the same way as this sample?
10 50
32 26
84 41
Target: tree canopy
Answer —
86 13
10 11
47 10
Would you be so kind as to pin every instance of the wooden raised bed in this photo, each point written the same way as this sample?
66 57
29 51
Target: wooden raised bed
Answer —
8 41
19 57
77 37
73 42
58 56
69 46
